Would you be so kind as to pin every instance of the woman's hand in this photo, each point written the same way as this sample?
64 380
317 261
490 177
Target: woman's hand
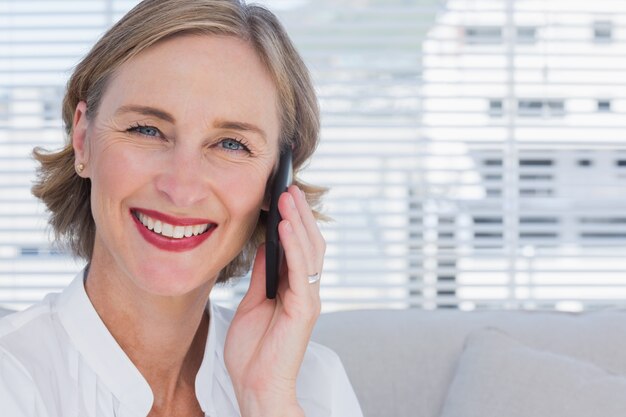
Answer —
267 339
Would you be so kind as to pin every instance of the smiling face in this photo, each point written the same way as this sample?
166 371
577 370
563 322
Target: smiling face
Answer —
184 142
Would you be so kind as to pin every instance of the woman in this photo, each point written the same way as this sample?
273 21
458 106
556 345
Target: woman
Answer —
175 121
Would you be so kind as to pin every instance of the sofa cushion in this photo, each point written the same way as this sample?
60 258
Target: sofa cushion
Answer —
497 375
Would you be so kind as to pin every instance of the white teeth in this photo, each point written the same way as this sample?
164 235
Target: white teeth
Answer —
168 230
179 231
176 232
197 229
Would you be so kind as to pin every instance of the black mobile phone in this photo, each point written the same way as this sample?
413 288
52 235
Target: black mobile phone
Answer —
273 250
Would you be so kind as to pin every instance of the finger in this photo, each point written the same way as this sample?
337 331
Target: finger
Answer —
309 220
297 265
289 211
256 290
313 231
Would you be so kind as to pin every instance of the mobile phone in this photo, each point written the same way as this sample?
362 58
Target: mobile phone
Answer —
273 249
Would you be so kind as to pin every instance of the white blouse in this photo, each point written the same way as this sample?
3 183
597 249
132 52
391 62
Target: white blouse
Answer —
58 359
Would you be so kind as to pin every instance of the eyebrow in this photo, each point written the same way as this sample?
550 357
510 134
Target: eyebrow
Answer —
146 111
163 115
241 126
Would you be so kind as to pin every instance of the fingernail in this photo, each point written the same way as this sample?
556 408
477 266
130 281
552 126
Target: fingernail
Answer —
292 203
288 227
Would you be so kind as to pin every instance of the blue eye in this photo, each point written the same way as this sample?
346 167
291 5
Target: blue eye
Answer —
144 130
234 145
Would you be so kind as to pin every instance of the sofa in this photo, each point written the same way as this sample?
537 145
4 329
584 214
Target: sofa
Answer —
450 363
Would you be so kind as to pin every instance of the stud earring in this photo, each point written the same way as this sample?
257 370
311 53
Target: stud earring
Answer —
80 168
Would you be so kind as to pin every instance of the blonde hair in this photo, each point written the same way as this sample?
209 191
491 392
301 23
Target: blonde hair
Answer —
67 195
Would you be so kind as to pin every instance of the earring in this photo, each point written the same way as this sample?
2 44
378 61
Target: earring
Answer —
80 167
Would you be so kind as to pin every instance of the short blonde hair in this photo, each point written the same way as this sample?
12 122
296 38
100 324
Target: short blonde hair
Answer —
67 196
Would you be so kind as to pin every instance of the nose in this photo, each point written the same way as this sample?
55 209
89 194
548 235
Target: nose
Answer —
183 178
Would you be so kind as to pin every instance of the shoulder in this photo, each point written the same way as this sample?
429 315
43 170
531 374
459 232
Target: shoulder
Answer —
14 320
21 351
323 386
320 353
27 332
321 364
33 341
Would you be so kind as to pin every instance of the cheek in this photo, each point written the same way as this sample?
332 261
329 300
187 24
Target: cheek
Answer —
117 170
244 190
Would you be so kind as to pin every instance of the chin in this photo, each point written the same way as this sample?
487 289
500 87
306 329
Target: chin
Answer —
170 282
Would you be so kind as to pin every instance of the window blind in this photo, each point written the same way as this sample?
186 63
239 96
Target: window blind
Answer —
40 42
474 150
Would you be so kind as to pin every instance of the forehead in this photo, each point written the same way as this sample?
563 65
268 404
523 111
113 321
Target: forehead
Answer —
216 76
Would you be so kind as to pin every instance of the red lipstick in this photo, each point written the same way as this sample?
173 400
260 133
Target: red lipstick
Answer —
170 219
169 243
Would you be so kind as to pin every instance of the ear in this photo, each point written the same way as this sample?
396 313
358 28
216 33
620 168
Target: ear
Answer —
79 134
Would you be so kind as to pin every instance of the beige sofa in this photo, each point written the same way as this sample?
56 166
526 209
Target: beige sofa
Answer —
450 363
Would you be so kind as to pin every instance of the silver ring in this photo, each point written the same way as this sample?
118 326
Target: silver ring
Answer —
314 278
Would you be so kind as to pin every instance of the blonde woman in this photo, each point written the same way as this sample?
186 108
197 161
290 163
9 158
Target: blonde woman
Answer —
175 121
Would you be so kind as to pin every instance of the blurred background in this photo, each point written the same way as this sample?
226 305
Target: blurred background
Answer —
475 149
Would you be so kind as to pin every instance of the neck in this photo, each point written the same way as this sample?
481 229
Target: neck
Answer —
163 336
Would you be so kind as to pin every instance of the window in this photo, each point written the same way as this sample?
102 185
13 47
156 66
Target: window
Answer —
604 106
541 108
495 108
535 192
51 106
536 162
602 220
4 105
602 31
538 220
493 162
483 35
492 177
535 177
457 174
488 220
526 34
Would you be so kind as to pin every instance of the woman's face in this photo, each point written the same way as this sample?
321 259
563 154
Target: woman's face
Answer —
186 136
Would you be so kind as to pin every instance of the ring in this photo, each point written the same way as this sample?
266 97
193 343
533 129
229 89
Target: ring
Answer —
314 278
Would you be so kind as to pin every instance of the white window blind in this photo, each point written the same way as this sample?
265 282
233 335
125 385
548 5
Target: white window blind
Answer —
475 150
40 42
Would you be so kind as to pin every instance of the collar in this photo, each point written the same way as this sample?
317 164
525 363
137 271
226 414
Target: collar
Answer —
204 378
103 354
